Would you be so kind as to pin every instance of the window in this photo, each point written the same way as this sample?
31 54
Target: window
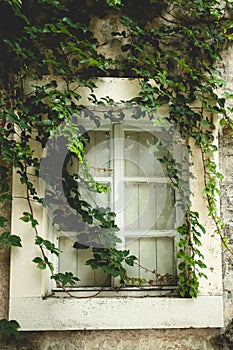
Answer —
31 301
125 157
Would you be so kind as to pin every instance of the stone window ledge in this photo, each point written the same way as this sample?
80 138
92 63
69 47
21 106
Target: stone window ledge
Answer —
35 313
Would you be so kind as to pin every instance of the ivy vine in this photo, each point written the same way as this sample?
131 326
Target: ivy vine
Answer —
173 47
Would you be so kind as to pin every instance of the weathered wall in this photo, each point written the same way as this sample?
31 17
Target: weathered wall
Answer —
119 340
4 269
185 339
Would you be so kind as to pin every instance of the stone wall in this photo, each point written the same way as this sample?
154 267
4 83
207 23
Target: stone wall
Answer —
119 340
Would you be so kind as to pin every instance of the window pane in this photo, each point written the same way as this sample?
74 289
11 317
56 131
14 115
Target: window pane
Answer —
98 153
95 198
68 255
141 152
133 245
165 255
148 206
73 260
155 260
148 258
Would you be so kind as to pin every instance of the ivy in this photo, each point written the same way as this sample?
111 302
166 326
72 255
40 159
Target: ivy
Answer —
173 48
65 278
47 244
110 261
9 328
8 240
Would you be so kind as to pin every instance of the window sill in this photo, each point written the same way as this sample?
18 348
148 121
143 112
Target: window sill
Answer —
37 314
129 292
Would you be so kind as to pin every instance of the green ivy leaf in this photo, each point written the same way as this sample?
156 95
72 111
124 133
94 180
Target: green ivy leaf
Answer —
9 328
65 279
40 263
3 221
9 240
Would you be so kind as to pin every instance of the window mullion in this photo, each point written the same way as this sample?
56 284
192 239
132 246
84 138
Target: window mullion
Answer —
118 176
118 191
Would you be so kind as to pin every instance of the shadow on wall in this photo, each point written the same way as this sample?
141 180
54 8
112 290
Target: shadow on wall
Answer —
225 340
10 343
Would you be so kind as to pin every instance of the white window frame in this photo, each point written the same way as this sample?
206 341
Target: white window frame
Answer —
31 306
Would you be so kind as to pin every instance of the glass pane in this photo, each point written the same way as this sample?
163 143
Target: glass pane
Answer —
68 256
74 260
141 153
87 276
84 273
98 153
148 206
132 245
165 259
95 198
164 207
148 259
155 263
131 154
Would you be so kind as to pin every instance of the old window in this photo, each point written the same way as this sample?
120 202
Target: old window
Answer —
141 187
126 157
